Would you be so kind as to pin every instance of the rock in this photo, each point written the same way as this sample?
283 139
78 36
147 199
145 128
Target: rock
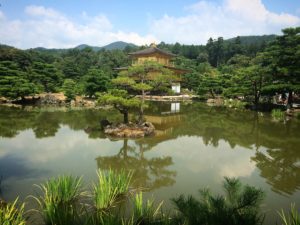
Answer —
148 128
3 100
52 99
104 123
130 130
215 101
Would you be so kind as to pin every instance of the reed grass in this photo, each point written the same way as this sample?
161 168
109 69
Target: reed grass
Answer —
11 215
145 211
110 188
292 218
59 201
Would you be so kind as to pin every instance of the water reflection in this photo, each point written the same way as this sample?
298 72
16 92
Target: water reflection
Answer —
12 168
150 173
275 145
280 168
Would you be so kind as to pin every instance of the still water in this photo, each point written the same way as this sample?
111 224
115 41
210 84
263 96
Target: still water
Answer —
195 146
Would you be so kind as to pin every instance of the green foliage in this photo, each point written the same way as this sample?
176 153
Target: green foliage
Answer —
47 76
59 201
121 101
240 205
69 89
11 215
234 103
292 218
209 82
278 114
123 81
95 81
283 58
14 82
242 66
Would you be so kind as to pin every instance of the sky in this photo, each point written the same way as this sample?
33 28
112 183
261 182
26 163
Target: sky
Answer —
67 23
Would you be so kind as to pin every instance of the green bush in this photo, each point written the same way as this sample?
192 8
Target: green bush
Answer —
234 103
240 205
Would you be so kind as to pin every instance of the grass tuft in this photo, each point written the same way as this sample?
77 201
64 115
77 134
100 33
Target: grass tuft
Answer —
10 214
59 201
110 188
292 218
145 213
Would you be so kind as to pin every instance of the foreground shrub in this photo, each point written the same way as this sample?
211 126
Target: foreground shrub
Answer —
240 205
10 214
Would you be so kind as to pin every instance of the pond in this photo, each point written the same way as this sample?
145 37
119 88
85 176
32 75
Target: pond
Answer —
195 146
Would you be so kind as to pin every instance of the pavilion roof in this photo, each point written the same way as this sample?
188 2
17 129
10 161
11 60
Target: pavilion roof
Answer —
151 50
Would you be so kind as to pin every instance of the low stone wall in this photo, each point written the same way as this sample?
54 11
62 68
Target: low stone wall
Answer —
168 98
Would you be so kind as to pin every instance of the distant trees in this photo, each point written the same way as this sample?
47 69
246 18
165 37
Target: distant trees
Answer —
244 66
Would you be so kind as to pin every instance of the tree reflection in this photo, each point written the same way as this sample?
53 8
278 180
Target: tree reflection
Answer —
46 124
147 173
280 168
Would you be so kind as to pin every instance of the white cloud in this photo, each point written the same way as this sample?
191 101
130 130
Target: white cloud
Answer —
49 28
232 18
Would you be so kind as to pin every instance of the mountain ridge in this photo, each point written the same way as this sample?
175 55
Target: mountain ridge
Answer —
121 45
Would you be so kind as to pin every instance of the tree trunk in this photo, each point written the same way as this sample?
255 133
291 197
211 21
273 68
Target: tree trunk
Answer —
125 114
290 100
256 94
212 93
141 113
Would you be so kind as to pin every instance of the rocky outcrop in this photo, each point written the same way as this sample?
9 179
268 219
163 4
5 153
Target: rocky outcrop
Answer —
80 101
130 130
51 99
215 101
3 100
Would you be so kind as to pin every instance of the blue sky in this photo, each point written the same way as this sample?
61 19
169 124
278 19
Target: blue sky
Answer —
66 23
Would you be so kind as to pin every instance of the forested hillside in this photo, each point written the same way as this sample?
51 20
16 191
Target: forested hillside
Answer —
243 66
